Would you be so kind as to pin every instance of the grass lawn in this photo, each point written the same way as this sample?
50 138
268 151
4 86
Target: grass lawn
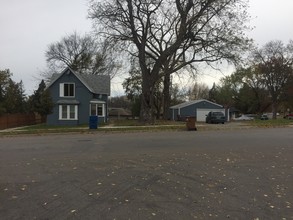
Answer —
132 125
271 122
114 125
133 122
43 128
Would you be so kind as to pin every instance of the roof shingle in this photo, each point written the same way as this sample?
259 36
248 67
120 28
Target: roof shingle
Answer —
97 84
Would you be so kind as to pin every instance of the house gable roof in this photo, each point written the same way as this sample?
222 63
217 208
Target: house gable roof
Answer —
185 104
97 84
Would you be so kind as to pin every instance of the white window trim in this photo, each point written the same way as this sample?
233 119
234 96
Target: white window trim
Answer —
103 108
61 90
68 113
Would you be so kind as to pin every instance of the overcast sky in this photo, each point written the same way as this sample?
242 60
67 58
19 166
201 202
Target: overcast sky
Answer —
27 27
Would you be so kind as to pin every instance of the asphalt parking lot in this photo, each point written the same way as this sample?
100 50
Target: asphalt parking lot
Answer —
217 174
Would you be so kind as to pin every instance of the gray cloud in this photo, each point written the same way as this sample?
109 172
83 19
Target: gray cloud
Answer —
27 27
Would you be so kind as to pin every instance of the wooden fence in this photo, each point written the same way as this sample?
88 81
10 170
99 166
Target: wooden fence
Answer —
18 120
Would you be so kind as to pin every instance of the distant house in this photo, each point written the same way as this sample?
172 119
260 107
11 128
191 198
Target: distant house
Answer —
78 96
233 113
197 108
119 113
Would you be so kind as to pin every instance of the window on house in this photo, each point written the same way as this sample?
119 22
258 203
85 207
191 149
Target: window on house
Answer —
67 90
97 109
72 111
64 111
68 112
100 108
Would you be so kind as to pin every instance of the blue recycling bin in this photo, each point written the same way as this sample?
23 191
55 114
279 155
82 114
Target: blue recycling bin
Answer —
93 122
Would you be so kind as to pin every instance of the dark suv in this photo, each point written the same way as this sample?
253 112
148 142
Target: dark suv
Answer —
215 117
289 116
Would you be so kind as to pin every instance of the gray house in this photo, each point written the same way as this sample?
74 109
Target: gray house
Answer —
78 96
197 108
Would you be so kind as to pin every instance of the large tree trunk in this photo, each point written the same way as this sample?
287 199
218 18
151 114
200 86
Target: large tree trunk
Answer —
166 96
147 100
146 112
274 109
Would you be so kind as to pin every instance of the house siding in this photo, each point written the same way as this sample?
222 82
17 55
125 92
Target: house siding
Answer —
82 95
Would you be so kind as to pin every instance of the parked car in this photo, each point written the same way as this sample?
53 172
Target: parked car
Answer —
264 117
244 118
289 116
215 117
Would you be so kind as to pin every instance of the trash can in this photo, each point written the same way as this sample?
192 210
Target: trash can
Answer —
93 122
190 123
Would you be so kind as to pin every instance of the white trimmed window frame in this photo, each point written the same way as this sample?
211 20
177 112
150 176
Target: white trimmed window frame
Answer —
96 104
68 110
62 87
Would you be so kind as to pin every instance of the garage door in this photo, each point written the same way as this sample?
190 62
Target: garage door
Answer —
201 113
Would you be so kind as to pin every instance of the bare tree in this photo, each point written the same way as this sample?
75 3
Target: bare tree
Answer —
82 53
198 91
167 35
275 65
250 77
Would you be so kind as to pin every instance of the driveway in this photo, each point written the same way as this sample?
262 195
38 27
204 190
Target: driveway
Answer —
226 174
